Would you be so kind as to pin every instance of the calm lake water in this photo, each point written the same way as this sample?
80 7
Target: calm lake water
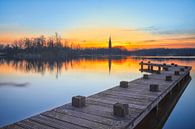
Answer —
28 88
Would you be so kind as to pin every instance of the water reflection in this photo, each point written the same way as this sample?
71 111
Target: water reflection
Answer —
54 82
57 66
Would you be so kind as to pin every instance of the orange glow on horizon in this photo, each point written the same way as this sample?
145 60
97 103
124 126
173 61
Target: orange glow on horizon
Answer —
121 37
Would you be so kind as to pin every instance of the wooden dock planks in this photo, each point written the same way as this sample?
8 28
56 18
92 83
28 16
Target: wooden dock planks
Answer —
98 112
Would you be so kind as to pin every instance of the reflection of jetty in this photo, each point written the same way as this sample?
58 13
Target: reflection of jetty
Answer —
123 106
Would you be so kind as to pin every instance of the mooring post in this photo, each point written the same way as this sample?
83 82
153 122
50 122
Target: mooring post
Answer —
168 78
142 66
177 73
120 110
151 67
124 84
78 101
154 87
145 76
166 68
159 68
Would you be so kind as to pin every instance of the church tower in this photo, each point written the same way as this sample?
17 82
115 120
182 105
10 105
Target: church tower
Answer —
110 43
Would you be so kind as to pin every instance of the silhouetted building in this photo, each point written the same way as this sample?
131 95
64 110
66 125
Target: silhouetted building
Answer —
110 43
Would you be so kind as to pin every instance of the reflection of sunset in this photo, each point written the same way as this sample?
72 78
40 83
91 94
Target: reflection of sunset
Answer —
96 65
83 65
114 66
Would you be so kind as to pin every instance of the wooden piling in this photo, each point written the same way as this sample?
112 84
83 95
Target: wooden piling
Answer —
120 110
154 87
124 84
78 101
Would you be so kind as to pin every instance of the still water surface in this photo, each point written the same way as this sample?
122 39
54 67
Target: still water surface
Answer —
28 88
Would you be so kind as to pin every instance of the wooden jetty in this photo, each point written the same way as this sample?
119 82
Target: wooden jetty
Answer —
123 106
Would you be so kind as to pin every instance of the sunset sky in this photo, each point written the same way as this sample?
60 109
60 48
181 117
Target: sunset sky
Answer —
131 23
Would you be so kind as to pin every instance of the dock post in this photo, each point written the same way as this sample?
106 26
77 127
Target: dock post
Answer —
78 101
142 66
148 66
177 73
159 68
151 68
166 68
154 87
145 76
120 110
168 78
124 84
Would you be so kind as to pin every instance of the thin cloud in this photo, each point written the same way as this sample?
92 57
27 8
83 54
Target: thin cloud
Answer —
149 29
14 84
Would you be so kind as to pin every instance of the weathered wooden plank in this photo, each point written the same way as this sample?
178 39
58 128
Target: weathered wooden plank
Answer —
12 127
120 100
99 110
113 101
130 94
89 117
28 124
141 92
152 81
75 120
126 98
144 86
162 77
124 95
133 108
55 123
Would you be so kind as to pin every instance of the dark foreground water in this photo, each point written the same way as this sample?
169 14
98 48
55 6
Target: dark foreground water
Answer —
30 87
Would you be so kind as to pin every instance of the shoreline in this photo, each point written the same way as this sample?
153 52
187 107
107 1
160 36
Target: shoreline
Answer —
164 57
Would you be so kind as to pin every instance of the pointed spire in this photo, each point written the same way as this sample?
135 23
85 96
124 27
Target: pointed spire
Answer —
110 43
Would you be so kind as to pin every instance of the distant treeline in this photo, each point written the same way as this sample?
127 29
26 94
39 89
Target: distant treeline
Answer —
52 47
164 52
